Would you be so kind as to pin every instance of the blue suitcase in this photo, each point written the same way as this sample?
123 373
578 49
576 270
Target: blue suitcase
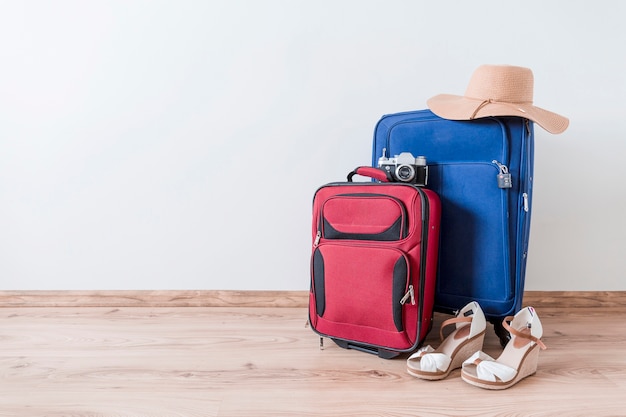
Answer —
482 171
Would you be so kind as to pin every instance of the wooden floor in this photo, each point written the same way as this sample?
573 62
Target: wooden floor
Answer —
242 361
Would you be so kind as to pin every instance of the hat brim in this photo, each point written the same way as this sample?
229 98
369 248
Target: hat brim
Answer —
455 107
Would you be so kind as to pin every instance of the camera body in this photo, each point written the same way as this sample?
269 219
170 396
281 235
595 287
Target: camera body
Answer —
405 168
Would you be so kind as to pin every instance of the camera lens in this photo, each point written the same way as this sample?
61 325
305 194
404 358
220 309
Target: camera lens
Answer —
405 172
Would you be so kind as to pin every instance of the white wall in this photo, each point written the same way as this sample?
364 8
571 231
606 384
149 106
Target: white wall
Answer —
177 144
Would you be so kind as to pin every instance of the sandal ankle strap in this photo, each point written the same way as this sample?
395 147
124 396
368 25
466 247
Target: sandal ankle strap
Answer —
453 321
517 333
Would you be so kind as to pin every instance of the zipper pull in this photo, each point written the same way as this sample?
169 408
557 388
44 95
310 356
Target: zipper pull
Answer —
525 202
318 236
410 294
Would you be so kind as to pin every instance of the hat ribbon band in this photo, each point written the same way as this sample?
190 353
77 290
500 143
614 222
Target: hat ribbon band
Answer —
490 100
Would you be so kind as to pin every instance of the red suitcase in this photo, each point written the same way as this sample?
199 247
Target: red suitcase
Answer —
374 263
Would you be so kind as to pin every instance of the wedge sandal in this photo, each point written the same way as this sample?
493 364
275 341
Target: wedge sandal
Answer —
467 338
518 360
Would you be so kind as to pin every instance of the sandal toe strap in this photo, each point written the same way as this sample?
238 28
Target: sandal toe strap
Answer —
488 369
431 361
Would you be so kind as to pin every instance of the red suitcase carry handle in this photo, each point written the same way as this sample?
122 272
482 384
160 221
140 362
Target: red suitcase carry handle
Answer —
376 173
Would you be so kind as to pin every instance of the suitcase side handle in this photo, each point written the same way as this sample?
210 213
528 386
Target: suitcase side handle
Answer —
376 173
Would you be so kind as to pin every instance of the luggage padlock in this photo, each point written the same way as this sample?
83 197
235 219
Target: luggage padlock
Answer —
504 176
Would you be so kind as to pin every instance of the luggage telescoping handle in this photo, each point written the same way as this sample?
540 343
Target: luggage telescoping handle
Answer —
372 172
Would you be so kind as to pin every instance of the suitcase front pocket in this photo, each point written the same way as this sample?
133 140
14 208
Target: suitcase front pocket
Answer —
360 290
474 232
363 217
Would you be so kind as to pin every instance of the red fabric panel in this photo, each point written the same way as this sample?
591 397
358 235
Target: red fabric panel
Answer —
355 278
353 214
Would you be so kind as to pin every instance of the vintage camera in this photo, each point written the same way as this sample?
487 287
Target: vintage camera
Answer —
405 167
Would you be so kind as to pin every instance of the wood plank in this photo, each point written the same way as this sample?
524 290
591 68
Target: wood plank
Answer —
575 299
231 298
153 298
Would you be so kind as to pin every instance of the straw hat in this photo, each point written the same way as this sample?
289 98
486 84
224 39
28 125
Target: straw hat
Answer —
497 90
